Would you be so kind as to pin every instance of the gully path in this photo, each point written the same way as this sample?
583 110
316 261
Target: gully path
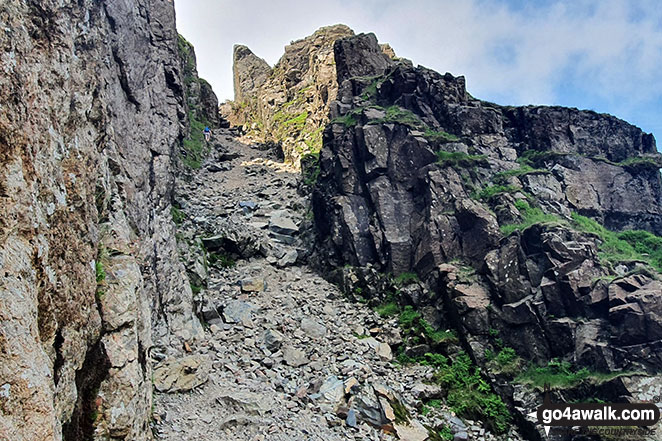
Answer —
284 355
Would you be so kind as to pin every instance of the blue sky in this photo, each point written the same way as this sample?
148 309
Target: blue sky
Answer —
602 55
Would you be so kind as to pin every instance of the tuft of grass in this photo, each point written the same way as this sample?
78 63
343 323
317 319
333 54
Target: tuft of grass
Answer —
350 119
505 362
642 163
311 171
402 415
460 159
624 246
530 216
178 216
536 158
488 193
469 395
100 271
389 309
560 375
396 114
440 136
220 259
417 330
502 177
195 147
406 279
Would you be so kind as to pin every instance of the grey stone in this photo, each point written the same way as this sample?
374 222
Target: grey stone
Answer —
240 312
273 339
180 375
313 328
294 357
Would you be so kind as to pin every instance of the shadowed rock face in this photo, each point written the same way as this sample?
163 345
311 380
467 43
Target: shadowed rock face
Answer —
201 99
93 108
386 198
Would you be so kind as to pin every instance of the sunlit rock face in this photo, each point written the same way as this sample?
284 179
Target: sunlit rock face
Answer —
92 111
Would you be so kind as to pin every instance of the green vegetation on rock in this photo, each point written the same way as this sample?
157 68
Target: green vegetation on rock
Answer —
488 193
417 330
561 375
530 216
405 279
502 177
310 168
440 136
396 114
460 159
178 216
469 395
624 246
195 146
389 309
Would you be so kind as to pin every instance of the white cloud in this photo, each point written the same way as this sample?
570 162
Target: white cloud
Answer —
604 51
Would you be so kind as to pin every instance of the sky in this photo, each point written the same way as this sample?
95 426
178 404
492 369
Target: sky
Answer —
603 55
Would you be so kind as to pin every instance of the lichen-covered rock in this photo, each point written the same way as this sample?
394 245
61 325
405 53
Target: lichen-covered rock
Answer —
93 110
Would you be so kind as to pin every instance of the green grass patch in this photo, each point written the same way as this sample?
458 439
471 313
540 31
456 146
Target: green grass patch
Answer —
502 177
195 289
310 168
390 309
400 412
195 146
350 119
642 163
297 121
396 114
561 375
178 216
443 434
469 395
531 216
405 279
220 259
537 158
460 159
440 136
504 362
417 330
488 193
624 246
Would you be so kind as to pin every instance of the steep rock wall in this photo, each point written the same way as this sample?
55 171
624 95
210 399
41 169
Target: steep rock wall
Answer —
418 176
92 110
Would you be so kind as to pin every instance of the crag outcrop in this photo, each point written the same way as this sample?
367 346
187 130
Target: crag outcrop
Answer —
93 113
486 204
289 104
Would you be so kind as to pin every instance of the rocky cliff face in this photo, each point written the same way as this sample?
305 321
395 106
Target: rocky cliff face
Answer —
93 108
289 104
486 205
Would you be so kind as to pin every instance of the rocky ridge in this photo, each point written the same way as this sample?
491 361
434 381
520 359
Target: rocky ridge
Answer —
289 104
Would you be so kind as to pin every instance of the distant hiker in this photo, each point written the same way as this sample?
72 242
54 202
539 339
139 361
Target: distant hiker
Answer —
207 132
